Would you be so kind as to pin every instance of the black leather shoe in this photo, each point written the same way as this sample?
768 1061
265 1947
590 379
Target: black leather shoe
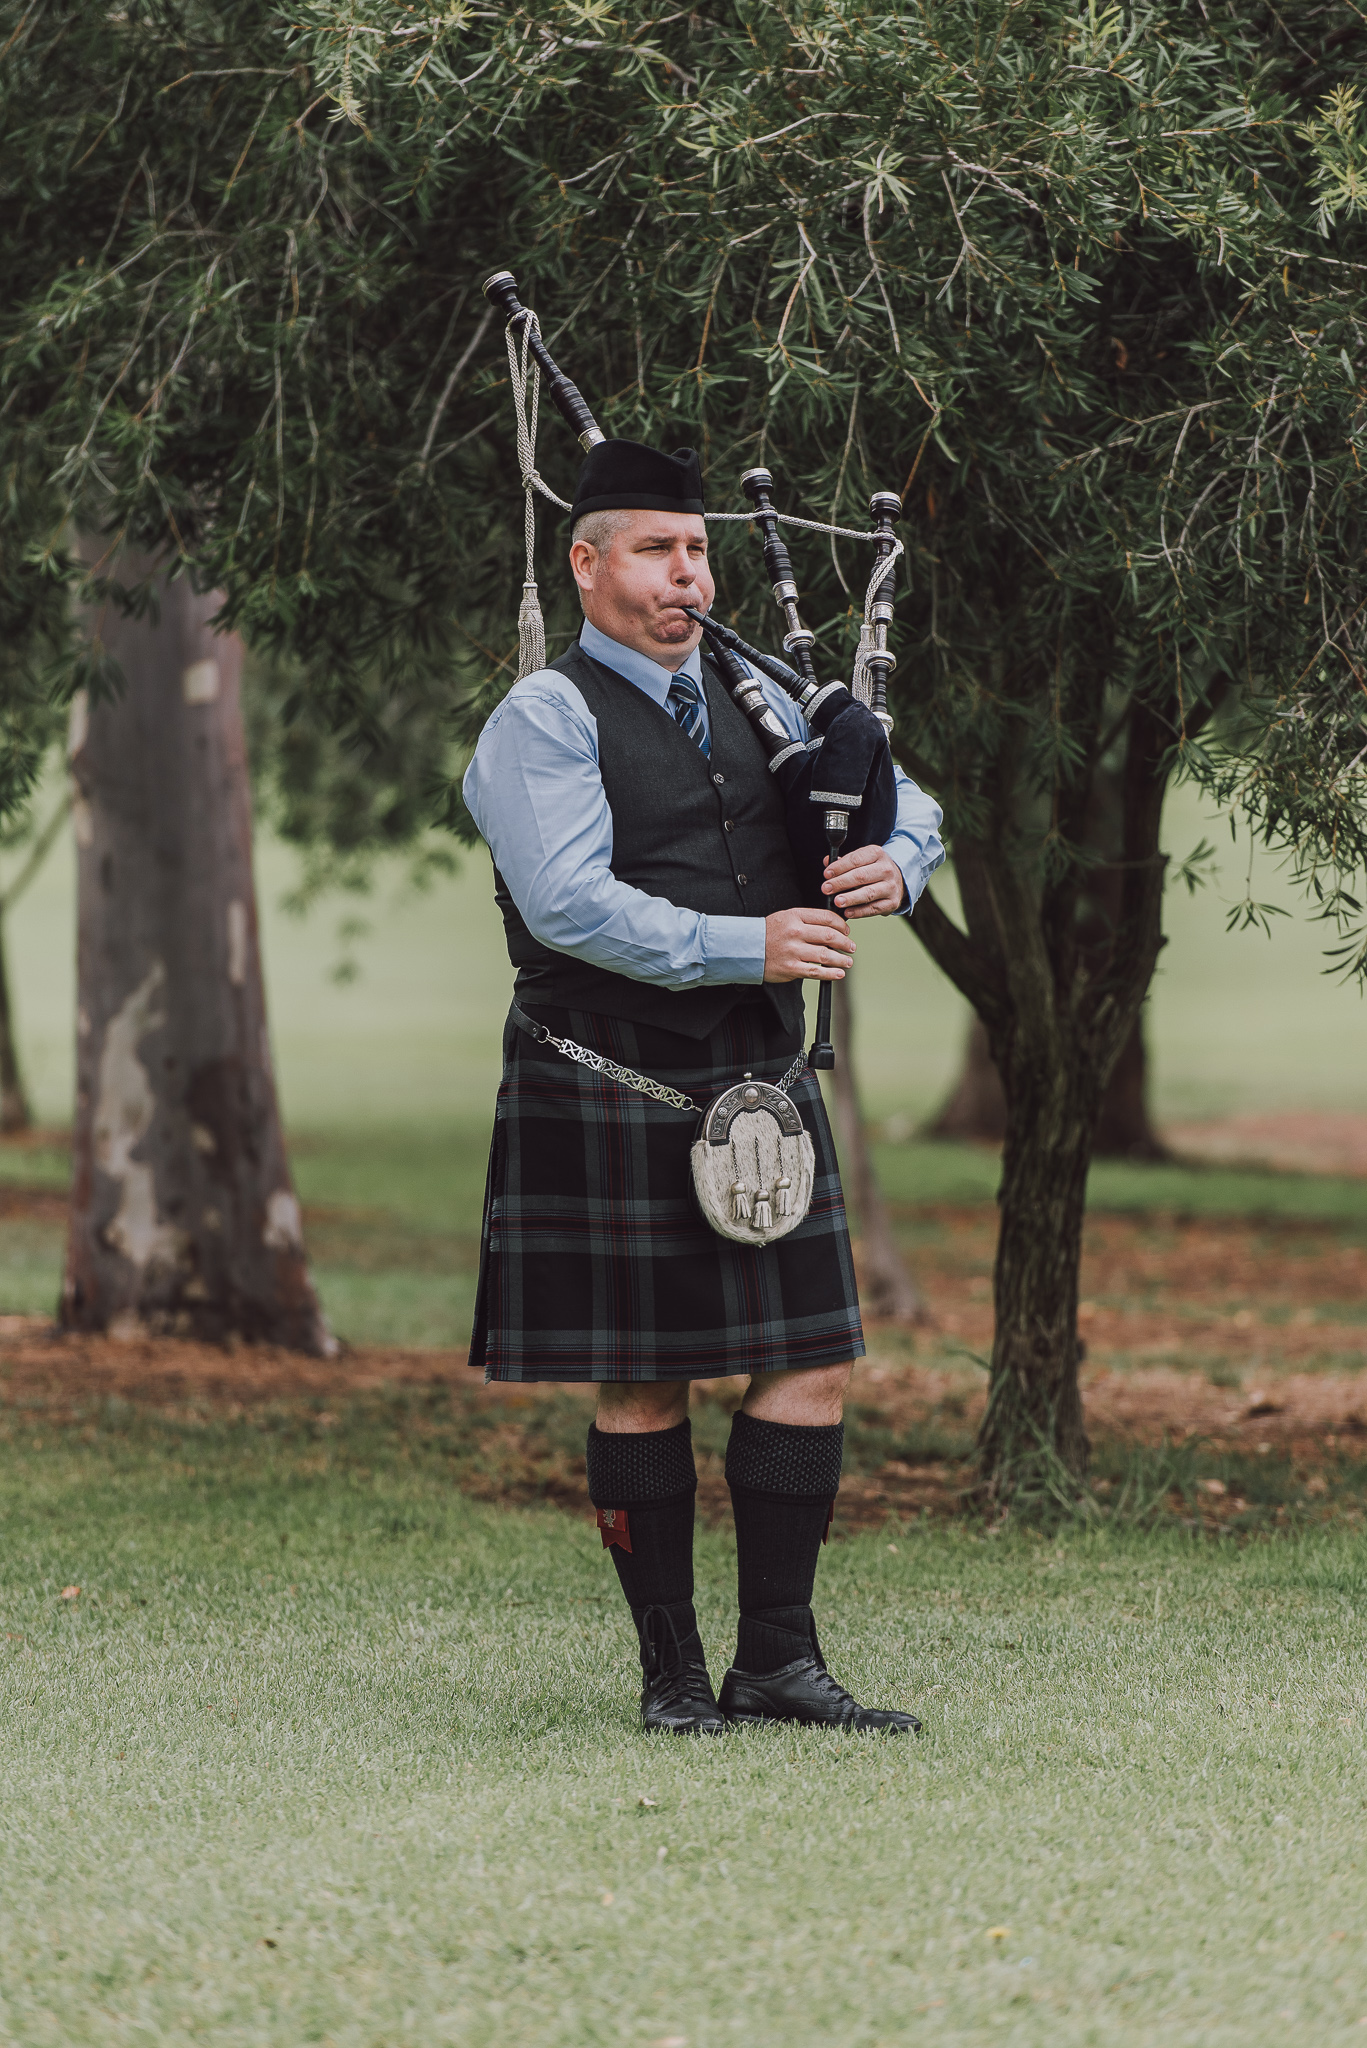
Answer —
681 1702
677 1697
804 1691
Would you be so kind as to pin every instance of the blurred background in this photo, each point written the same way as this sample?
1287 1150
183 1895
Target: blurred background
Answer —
386 1011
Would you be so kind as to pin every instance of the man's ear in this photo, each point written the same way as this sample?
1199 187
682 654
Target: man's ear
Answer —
583 562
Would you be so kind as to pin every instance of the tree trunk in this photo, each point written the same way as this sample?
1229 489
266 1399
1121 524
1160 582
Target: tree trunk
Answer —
889 1288
14 1109
1032 1433
975 1108
183 1217
1059 1002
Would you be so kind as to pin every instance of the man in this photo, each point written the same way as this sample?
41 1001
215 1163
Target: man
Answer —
654 917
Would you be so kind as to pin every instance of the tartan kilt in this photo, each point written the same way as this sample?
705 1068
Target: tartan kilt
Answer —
595 1264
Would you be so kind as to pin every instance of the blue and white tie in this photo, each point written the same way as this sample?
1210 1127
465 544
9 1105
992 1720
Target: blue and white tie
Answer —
686 707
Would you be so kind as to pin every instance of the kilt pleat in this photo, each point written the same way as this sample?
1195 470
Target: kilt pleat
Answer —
594 1262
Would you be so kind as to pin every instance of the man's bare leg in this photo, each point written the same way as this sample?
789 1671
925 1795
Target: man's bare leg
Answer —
643 1404
812 1399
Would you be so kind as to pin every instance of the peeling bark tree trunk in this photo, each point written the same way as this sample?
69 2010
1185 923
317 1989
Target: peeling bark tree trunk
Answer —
889 1288
183 1215
975 1108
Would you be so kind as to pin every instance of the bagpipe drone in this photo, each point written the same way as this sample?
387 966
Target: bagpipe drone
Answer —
838 787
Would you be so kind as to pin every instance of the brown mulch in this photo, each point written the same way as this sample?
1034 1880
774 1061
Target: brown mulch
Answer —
1312 1417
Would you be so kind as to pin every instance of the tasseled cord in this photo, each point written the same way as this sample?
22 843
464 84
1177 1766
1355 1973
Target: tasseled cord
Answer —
531 627
861 682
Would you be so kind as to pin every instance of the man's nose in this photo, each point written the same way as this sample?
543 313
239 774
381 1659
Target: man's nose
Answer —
685 569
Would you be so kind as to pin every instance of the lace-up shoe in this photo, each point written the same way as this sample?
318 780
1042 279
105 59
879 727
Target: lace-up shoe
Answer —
804 1691
677 1696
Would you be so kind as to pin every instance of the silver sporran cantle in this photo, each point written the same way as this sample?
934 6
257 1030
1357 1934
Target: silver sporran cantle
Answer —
753 1164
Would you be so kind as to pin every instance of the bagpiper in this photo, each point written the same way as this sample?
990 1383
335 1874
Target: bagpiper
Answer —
663 1201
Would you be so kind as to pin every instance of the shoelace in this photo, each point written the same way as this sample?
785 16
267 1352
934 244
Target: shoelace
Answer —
689 1686
835 1691
667 1669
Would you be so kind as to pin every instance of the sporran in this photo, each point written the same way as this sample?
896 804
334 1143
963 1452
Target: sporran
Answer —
753 1162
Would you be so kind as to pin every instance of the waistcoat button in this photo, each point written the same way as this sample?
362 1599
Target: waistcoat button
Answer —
727 826
742 879
719 779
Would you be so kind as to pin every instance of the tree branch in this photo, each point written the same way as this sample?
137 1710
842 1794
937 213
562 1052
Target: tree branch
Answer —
976 977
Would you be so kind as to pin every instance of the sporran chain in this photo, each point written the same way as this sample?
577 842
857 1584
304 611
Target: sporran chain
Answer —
673 1098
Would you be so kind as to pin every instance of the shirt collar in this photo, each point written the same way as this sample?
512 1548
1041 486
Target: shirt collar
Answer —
638 668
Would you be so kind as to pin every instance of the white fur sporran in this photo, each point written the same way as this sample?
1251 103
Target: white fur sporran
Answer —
753 1164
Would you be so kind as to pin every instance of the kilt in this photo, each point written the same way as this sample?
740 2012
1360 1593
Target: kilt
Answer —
594 1263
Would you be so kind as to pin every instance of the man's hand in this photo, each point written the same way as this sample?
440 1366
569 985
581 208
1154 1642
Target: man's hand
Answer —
865 883
806 945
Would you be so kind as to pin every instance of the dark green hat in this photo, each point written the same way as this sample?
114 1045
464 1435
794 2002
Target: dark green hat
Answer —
626 476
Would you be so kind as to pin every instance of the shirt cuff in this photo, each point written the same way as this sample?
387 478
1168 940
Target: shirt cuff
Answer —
733 949
911 864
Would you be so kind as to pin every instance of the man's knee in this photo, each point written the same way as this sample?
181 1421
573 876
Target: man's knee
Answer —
641 1405
813 1398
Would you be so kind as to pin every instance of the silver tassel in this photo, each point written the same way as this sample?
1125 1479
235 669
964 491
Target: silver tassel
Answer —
861 683
531 633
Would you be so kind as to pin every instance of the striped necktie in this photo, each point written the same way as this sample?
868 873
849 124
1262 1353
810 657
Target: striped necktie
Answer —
686 707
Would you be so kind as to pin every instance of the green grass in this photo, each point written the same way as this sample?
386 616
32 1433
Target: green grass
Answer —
325 1752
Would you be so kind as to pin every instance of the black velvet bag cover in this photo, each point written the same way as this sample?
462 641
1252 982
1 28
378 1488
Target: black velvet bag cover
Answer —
853 756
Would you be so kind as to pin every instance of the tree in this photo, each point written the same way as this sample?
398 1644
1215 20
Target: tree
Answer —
976 1106
183 1217
1087 283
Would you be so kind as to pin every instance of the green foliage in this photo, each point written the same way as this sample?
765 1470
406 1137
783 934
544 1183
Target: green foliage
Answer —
343 800
1083 282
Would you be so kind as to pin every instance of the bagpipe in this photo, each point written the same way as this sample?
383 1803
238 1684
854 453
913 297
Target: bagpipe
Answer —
838 787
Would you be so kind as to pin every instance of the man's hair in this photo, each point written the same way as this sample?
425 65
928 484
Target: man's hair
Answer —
600 529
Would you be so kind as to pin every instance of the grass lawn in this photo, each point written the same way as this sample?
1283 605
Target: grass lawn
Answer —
324 1751
327 1749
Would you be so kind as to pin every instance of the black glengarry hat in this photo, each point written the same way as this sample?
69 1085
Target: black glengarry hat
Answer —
626 476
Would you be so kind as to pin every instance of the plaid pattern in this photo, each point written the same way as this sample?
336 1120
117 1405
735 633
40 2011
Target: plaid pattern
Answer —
594 1263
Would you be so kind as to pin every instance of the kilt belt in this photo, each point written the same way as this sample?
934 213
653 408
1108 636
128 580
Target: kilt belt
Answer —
594 1262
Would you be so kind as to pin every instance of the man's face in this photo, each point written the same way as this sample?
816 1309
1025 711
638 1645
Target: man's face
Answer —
634 589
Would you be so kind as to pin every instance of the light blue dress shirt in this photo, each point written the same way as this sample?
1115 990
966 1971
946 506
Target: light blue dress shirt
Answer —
536 793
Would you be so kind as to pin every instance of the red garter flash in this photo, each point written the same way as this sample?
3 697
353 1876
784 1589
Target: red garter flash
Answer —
615 1527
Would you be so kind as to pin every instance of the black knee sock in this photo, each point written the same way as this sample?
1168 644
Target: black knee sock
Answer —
783 1480
642 1484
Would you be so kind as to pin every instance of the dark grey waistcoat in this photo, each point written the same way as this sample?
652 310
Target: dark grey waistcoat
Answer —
707 834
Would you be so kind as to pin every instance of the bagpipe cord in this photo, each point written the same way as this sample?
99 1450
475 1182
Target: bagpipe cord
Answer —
531 628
